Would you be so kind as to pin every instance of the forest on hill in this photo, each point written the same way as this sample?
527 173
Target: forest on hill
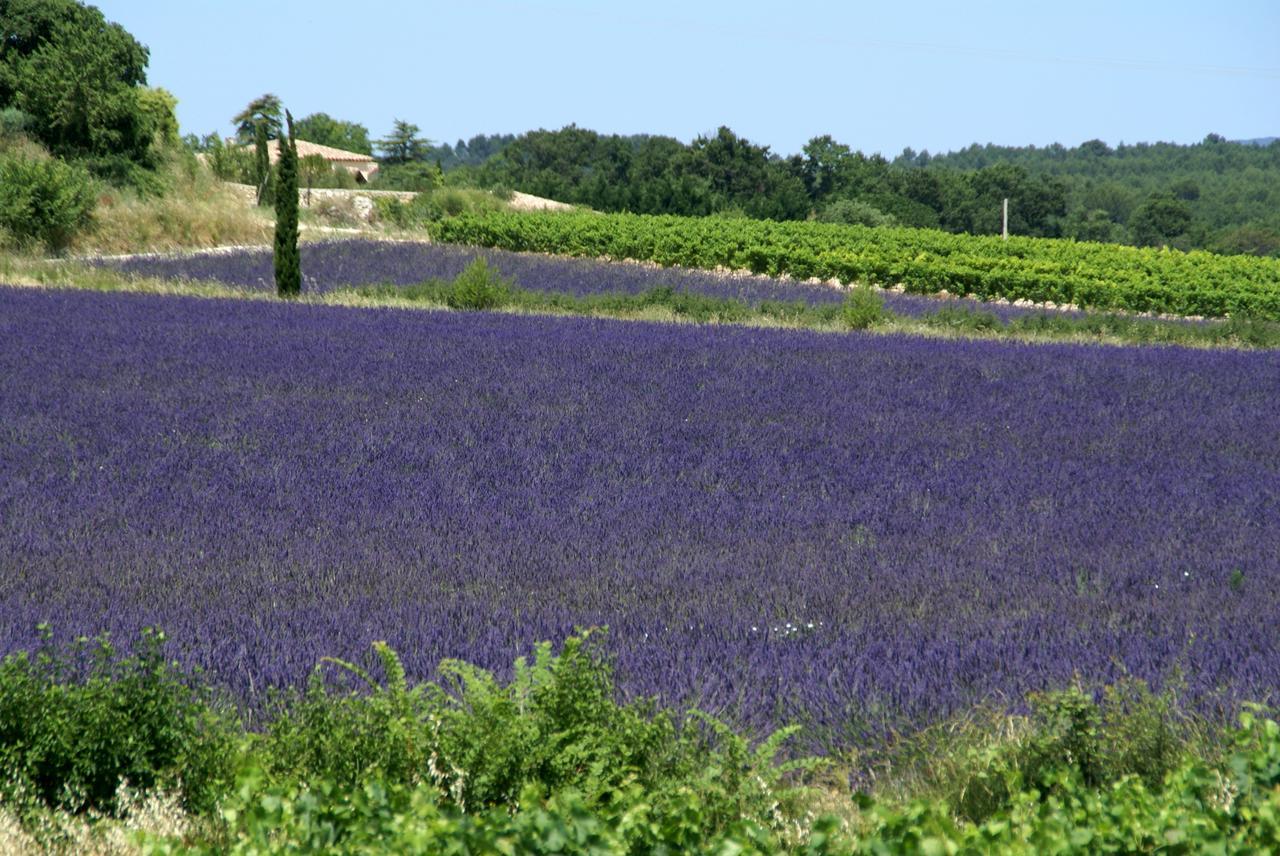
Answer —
1216 195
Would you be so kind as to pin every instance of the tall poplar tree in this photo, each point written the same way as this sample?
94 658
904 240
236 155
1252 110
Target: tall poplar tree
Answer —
288 265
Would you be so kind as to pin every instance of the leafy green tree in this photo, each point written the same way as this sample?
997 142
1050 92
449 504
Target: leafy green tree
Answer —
288 264
77 76
824 161
416 177
1159 220
159 109
403 145
1094 225
325 130
1252 238
855 212
263 109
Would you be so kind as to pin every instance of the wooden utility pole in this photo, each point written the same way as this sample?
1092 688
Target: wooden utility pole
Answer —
1004 228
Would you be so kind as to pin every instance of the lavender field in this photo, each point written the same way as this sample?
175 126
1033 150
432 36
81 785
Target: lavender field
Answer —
850 531
343 264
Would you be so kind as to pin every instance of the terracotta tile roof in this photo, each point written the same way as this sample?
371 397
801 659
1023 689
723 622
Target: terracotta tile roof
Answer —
329 153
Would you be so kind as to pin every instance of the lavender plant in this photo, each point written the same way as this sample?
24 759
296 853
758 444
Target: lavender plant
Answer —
342 264
853 532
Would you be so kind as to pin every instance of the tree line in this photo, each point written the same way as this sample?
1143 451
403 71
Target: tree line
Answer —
1215 194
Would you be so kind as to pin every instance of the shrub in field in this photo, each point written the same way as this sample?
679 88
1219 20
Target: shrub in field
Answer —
75 725
420 210
479 287
1070 740
863 307
43 200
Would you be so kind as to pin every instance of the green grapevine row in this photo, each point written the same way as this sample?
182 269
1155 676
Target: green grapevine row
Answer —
1092 276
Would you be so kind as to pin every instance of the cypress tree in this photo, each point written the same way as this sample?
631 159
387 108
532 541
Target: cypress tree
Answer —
262 163
287 262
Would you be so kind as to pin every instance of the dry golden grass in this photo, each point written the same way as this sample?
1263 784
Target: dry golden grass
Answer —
197 211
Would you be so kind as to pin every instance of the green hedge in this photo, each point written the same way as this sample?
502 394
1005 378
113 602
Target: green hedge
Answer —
1092 276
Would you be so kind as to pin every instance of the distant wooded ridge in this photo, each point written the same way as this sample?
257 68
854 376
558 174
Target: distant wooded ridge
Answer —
1214 194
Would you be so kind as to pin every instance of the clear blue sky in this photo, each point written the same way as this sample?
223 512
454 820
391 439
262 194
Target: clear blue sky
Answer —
877 76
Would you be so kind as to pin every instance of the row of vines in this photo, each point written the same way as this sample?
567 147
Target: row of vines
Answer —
1091 276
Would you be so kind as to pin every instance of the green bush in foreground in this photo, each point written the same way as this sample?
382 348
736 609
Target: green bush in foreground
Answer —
73 726
43 200
551 762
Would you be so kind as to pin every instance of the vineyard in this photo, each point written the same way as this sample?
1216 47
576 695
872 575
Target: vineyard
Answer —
1090 276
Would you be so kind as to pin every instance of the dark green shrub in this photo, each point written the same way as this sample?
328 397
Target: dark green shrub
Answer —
863 307
14 121
43 200
71 732
855 212
479 287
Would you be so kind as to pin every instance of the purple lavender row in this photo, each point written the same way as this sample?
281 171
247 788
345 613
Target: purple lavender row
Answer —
853 531
338 264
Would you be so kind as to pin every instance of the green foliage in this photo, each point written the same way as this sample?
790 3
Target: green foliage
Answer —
77 77
549 762
1085 193
854 212
1070 741
432 205
325 130
263 110
377 818
287 261
71 731
159 110
479 287
468 153
403 145
413 176
13 121
263 177
863 307
232 163
42 200
1197 808
316 172
966 319
1159 220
